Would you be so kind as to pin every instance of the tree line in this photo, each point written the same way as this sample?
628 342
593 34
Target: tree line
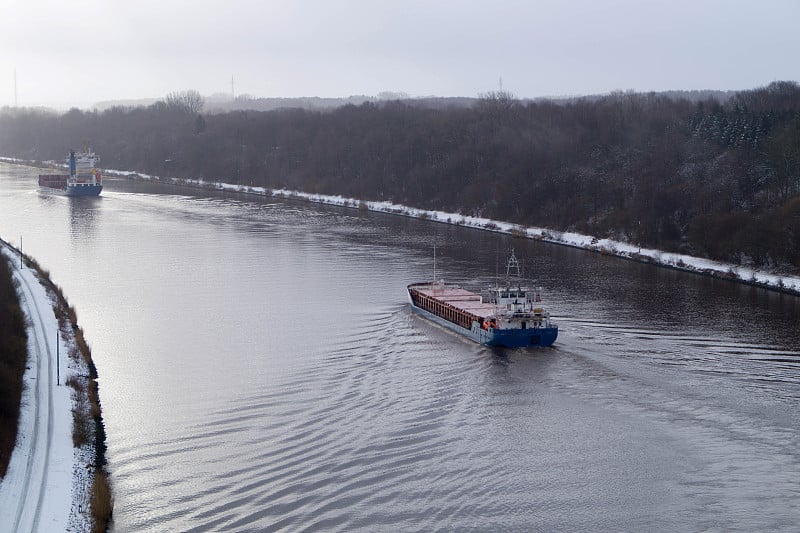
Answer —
715 177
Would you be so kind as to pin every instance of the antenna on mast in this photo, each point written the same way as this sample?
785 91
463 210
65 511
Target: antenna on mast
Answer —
497 267
434 260
512 265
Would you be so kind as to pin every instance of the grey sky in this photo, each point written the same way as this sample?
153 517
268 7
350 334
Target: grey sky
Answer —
83 51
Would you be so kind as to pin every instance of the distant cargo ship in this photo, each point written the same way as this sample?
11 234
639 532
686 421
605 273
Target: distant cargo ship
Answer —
83 179
508 315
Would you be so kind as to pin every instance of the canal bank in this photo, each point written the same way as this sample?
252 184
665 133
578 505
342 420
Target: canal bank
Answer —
56 478
781 282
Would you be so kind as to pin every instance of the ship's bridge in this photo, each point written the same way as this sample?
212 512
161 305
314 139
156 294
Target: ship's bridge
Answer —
516 300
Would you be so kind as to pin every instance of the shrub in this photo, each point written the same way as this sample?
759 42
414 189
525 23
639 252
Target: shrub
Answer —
519 233
102 501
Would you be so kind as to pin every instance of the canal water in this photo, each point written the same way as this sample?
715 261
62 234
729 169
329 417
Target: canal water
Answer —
260 369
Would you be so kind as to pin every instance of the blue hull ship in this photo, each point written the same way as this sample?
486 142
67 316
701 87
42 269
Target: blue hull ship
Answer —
83 178
507 315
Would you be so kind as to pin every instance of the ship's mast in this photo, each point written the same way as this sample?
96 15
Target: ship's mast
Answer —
512 264
497 268
434 261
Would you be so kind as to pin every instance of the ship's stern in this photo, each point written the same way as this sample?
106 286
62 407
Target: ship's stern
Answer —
522 338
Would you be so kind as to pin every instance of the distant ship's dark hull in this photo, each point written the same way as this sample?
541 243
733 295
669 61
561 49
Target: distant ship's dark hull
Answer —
75 190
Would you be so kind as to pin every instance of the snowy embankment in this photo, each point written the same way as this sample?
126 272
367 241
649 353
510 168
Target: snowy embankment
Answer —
728 271
771 280
47 486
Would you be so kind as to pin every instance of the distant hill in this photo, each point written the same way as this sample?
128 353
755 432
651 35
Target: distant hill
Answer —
139 102
223 103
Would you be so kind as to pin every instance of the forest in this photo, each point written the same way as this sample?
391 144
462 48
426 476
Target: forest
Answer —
711 177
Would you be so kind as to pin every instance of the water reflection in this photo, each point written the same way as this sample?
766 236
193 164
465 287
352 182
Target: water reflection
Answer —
84 216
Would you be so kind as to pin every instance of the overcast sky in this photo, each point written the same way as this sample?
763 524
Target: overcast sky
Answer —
82 51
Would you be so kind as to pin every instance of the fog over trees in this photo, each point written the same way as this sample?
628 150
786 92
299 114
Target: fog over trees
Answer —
716 177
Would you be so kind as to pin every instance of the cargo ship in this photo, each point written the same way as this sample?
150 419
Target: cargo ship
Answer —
83 178
507 314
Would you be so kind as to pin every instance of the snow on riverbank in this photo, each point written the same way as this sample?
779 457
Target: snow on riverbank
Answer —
785 283
742 274
65 506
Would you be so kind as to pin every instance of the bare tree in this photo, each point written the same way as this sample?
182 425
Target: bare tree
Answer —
497 101
190 101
